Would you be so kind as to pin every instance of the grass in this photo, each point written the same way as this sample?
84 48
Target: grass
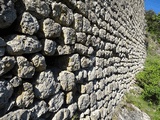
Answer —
137 99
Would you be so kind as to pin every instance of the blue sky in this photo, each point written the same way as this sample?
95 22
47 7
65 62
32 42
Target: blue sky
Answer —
152 5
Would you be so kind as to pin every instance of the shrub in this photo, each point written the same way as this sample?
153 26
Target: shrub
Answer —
149 80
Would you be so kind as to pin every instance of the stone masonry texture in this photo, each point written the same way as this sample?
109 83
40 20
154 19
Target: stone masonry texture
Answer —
61 59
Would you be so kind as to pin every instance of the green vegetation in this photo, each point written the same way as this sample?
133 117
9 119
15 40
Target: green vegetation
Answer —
149 80
138 100
153 24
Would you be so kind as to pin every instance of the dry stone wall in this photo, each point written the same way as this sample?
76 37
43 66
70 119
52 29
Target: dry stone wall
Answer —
62 59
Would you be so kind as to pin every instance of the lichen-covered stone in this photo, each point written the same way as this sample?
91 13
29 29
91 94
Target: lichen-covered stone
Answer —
62 14
64 49
26 96
74 63
39 62
81 37
24 68
56 102
37 7
22 44
86 25
69 35
39 108
49 47
78 22
6 64
45 85
81 49
20 114
16 81
67 80
62 114
50 29
6 91
69 97
8 13
83 102
86 62
72 108
28 24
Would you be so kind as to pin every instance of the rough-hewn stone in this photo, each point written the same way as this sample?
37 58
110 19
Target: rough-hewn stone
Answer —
24 68
28 24
56 102
22 44
26 96
67 80
45 85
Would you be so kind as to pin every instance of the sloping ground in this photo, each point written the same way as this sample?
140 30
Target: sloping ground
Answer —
127 110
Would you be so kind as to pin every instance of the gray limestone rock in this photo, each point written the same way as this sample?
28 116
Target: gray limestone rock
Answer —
95 30
7 12
62 14
81 76
56 102
78 22
37 7
67 80
74 63
92 16
86 26
82 7
45 85
22 44
20 114
81 49
86 62
26 96
81 37
50 28
69 35
93 99
102 33
24 68
72 108
83 102
69 97
95 115
16 81
6 91
28 24
6 64
39 108
62 114
49 47
65 49
39 62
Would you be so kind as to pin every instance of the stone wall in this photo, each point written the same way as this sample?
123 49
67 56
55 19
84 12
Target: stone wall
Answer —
62 59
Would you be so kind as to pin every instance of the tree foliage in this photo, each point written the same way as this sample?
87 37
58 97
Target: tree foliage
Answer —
153 24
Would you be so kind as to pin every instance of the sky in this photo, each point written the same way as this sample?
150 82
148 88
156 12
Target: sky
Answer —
153 5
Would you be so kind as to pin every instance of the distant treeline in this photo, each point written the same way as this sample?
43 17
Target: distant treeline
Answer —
153 24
